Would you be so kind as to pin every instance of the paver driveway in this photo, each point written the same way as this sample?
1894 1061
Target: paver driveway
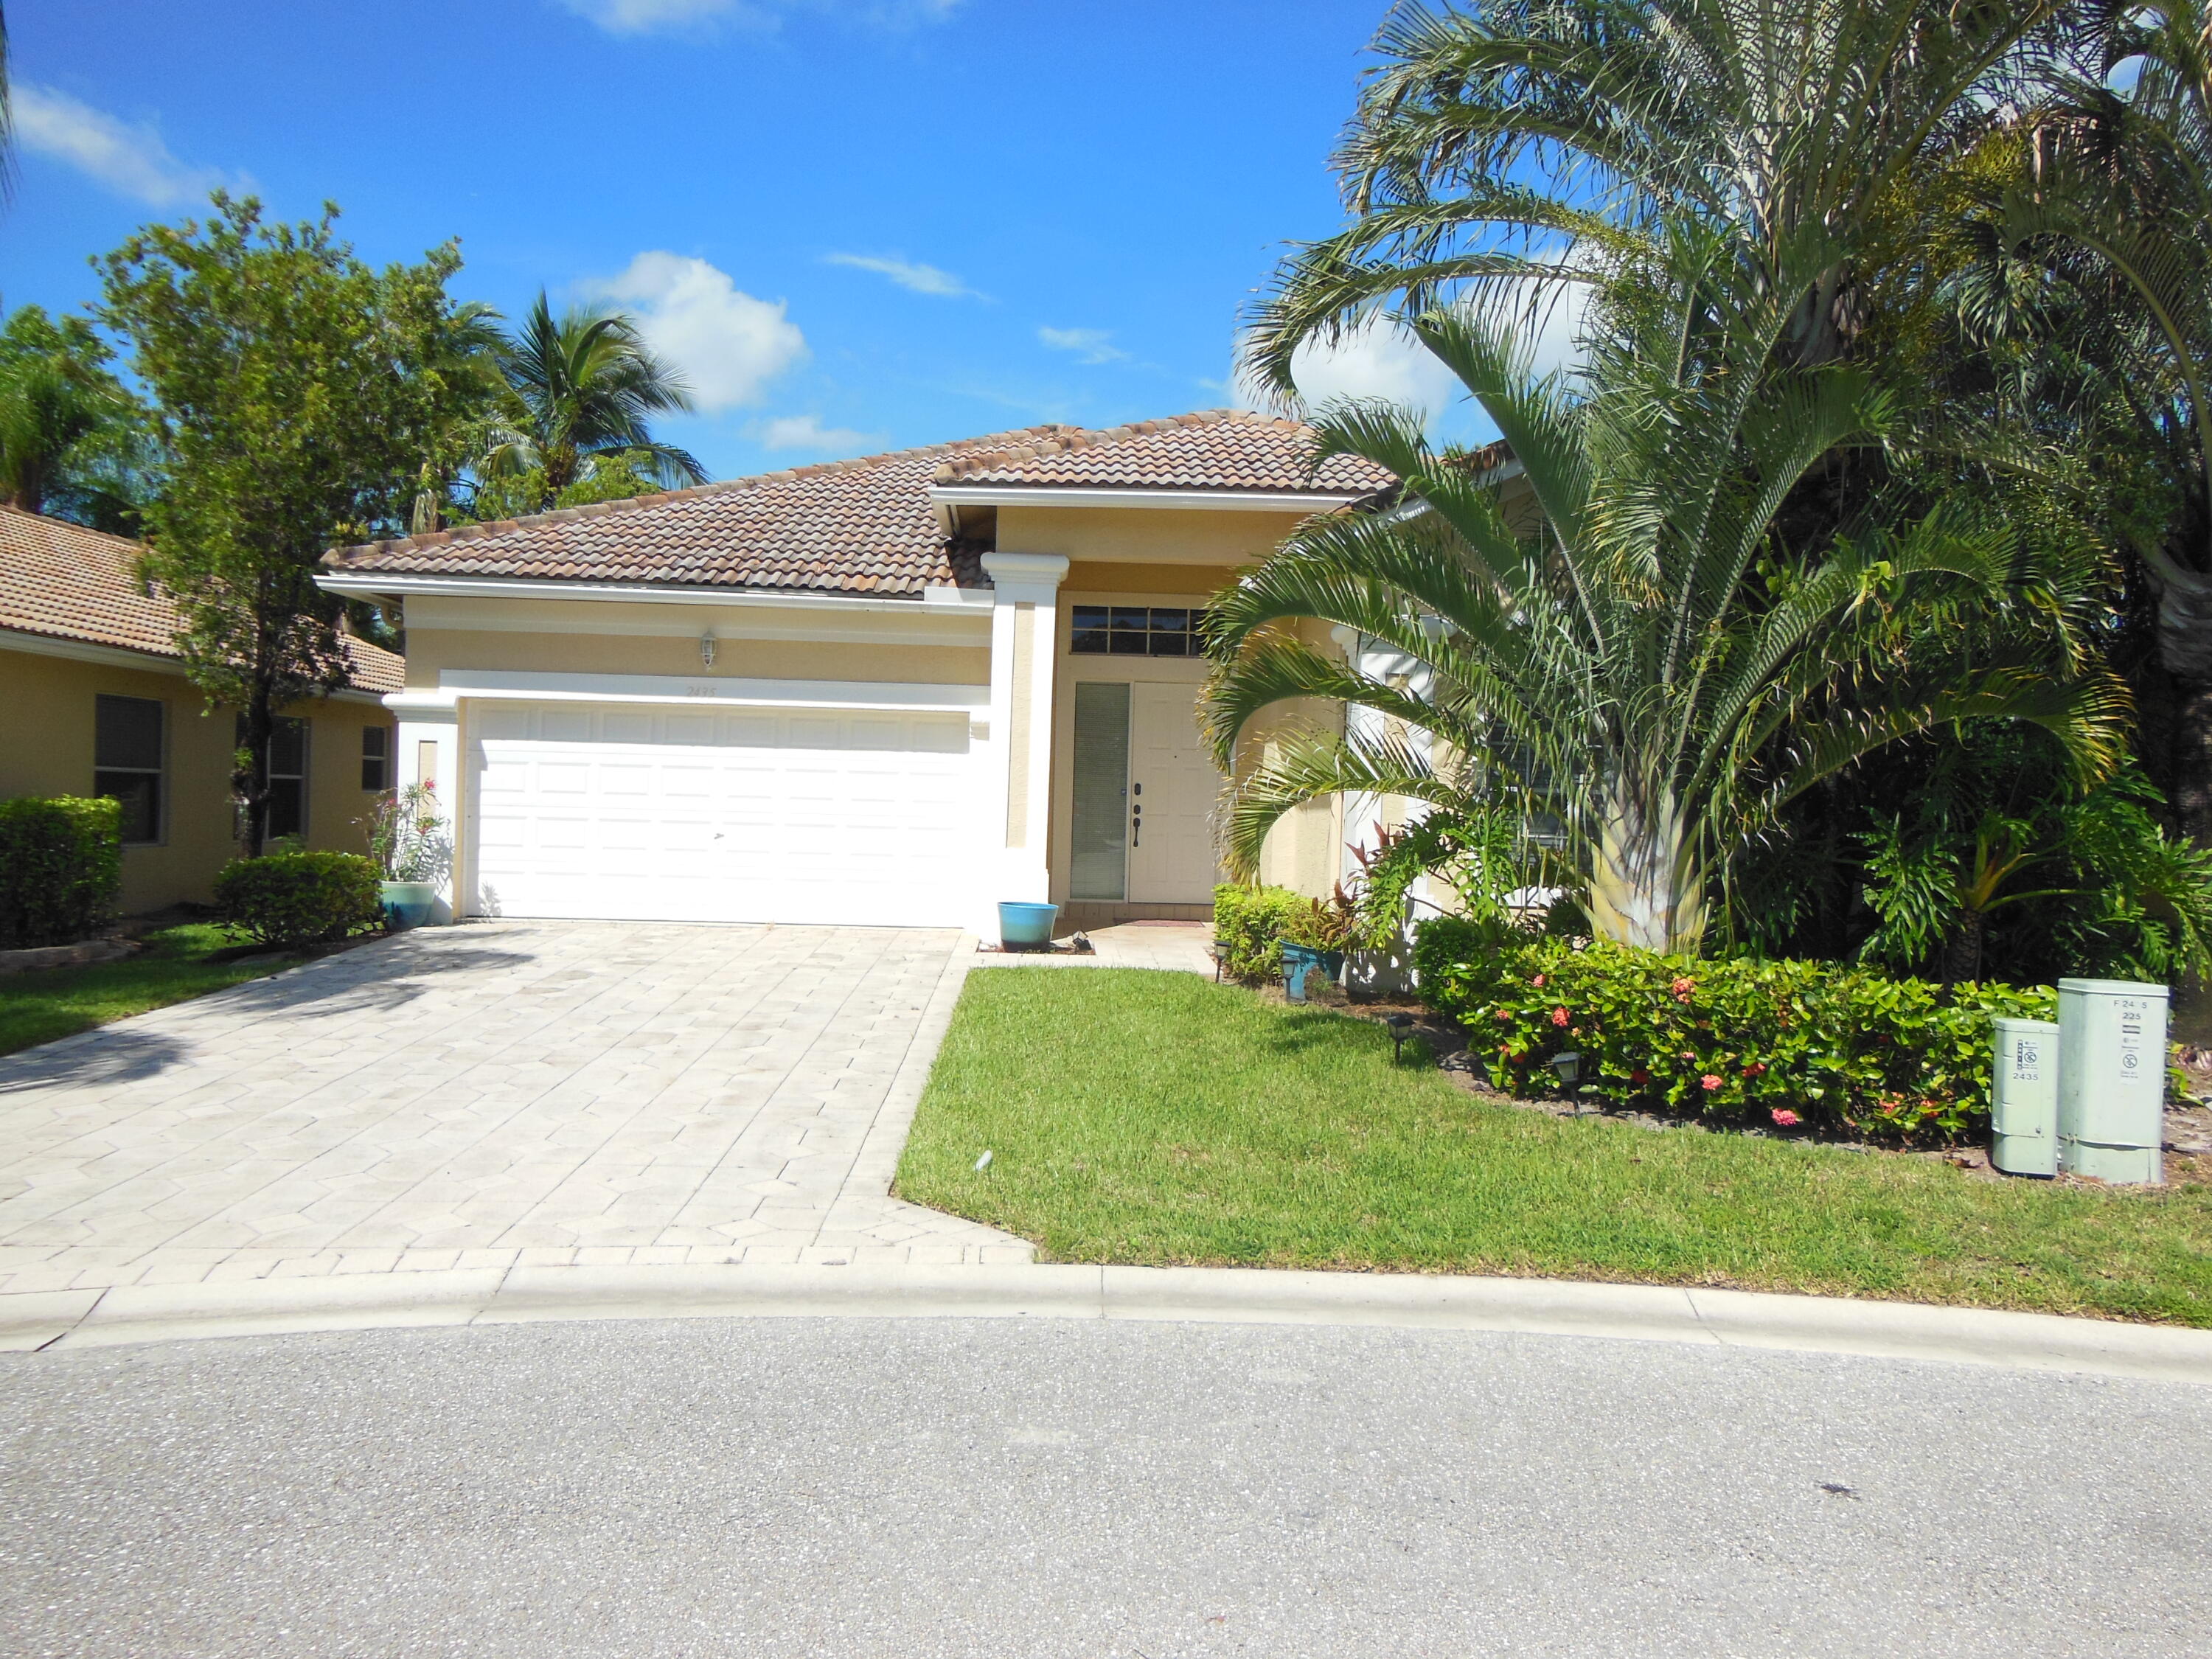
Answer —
542 1091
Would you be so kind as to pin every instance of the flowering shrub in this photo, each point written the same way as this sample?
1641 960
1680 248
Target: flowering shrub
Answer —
1813 1043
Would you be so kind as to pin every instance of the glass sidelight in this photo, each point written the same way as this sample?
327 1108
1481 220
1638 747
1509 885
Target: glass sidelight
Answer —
1099 868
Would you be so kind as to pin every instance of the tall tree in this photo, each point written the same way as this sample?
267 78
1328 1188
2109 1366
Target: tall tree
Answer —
295 391
72 442
586 384
1660 693
1557 139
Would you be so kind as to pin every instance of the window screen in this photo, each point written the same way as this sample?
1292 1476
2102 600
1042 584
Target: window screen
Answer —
1135 630
376 757
126 760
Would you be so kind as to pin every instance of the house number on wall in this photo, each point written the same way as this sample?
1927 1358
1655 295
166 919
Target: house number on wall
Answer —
2026 1059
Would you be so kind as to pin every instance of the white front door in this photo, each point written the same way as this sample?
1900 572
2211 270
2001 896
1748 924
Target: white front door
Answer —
1173 789
654 812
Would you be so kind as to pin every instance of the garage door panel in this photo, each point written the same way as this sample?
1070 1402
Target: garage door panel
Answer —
801 815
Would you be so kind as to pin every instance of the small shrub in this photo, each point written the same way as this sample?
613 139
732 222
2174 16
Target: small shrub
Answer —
61 867
299 898
1253 923
1833 1046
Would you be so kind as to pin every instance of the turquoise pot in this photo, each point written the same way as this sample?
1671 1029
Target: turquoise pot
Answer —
1299 960
408 904
1026 927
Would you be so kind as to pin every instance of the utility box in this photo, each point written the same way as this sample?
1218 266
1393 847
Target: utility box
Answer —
2024 1097
2112 1079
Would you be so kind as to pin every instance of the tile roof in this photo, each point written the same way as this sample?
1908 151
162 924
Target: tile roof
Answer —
857 527
1217 449
65 582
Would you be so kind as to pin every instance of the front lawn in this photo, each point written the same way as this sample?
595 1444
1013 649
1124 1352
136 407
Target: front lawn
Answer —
173 966
1160 1118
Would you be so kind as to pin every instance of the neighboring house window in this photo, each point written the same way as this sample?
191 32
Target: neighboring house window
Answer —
126 759
1135 630
376 757
287 776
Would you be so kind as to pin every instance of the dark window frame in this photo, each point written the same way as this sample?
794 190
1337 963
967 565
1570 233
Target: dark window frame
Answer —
114 769
1136 630
376 760
285 725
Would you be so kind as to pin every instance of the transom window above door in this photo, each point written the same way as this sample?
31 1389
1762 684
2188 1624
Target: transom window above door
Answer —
1135 630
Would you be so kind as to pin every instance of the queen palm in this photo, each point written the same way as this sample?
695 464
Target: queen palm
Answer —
1661 694
585 385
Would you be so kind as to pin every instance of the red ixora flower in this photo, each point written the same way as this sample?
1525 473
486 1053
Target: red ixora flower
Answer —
1682 988
1784 1117
1559 1016
1502 1016
1538 982
1639 1075
1757 1068
1710 1082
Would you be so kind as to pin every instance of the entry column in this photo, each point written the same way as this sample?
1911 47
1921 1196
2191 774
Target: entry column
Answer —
1025 649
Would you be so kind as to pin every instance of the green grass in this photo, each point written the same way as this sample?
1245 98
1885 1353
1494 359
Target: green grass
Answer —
1157 1118
58 1002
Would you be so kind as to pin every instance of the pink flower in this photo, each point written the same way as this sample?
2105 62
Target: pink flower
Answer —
1502 1016
1538 982
1710 1082
1559 1016
1682 988
1786 1118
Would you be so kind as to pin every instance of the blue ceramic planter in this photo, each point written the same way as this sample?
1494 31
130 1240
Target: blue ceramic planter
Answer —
407 903
1299 960
1026 927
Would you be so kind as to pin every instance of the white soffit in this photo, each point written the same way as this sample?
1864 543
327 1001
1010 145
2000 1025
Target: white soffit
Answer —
505 684
953 625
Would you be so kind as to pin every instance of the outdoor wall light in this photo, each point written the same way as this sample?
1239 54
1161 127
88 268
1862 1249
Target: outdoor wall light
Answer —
707 649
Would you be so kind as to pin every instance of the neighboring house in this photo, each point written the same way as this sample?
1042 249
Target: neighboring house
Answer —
93 700
888 691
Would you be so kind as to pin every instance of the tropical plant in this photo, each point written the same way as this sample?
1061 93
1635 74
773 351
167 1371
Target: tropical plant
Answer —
72 440
584 386
1512 146
295 392
403 837
1665 684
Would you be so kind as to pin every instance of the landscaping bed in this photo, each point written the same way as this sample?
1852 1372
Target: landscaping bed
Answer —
1160 1119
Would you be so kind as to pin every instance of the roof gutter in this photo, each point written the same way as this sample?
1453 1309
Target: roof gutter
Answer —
365 585
1202 500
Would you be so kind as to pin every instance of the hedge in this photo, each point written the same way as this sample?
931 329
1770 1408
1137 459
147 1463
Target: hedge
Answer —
301 898
1823 1045
1251 921
61 867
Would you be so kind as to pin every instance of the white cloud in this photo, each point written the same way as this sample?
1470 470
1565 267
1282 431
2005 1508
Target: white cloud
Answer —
907 273
676 17
807 432
728 344
130 161
1089 345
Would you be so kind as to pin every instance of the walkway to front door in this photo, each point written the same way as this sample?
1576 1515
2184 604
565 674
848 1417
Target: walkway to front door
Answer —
490 1094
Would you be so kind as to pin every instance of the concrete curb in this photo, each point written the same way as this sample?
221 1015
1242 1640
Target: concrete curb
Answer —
2016 1341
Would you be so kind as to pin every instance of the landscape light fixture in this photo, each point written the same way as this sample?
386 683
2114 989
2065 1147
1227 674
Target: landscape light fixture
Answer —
1569 1065
1401 1027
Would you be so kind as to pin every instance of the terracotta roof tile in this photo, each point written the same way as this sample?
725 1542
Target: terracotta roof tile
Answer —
65 582
1217 449
858 526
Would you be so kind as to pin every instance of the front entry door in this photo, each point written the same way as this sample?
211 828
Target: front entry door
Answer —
1173 789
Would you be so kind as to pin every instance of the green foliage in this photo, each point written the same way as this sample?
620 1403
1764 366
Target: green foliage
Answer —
296 393
171 966
301 898
1253 921
403 833
615 475
61 867
1737 1041
73 442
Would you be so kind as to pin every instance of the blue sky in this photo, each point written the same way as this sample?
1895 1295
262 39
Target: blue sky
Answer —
856 224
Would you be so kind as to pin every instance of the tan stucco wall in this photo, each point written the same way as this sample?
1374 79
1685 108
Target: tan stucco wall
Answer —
46 748
430 650
1142 535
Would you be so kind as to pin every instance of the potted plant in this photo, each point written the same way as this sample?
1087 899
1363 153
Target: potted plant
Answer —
403 839
1314 941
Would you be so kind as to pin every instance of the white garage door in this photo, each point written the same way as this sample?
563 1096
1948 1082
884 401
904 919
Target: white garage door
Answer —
658 813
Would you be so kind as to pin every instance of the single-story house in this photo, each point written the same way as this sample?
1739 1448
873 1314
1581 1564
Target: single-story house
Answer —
93 700
890 690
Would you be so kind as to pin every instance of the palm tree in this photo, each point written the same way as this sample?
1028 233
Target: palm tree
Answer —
585 386
1661 696
71 439
1553 140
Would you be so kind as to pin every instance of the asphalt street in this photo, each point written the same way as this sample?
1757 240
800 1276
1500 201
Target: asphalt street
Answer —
917 1487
